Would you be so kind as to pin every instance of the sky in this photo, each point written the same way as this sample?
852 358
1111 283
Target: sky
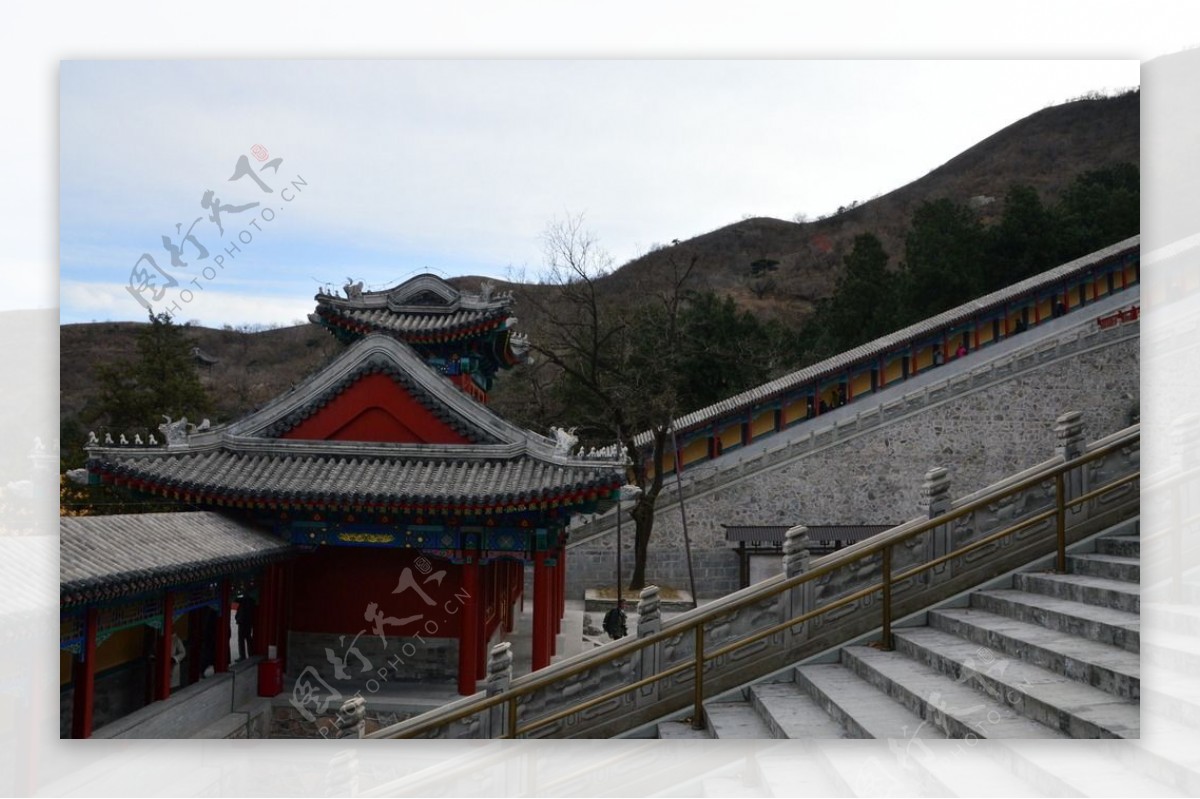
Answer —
381 169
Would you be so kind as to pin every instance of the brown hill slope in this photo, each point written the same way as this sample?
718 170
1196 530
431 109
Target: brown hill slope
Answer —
1046 150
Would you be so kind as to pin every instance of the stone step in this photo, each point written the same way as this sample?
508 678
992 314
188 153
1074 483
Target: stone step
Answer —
733 787
1113 567
861 709
789 712
1102 768
1171 694
1172 617
735 720
679 730
951 774
1115 594
1129 546
796 768
1106 625
869 770
1166 649
1109 668
947 704
1169 754
1038 695
231 725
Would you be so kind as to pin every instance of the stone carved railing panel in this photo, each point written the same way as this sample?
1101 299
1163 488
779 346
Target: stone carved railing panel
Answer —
999 515
580 688
843 581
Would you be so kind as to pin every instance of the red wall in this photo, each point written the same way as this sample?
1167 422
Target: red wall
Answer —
333 586
376 408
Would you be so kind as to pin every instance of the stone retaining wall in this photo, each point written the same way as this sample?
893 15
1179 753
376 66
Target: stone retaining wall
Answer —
867 468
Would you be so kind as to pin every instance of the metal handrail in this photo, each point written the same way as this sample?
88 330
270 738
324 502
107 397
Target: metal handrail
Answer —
695 620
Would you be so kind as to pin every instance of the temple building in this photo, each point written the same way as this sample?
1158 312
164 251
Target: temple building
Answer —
378 517
467 337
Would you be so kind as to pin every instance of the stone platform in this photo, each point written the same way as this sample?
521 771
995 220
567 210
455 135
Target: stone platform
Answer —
671 600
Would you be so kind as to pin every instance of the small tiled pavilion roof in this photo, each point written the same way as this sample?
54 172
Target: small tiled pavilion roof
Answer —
421 310
508 469
106 557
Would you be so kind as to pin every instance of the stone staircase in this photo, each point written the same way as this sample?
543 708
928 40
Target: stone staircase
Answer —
1051 656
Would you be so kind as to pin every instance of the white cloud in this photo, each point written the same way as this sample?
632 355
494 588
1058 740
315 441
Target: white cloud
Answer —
87 302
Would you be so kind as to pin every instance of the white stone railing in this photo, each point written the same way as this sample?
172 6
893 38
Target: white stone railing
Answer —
814 605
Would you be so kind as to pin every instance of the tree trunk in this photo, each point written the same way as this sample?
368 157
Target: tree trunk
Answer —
643 518
643 511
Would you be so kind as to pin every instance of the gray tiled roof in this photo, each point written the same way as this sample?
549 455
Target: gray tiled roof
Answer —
416 482
103 557
889 343
423 305
245 461
409 324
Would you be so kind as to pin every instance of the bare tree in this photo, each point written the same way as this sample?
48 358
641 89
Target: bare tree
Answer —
616 350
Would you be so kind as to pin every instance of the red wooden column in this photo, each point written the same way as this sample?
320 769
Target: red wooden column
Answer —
258 646
162 676
266 629
555 594
195 645
541 612
285 610
513 571
562 582
276 605
481 614
263 613
84 678
223 631
468 632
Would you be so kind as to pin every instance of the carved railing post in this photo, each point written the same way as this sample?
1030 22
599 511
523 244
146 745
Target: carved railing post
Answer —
1068 435
795 551
352 718
649 622
499 676
649 617
935 501
1069 443
795 561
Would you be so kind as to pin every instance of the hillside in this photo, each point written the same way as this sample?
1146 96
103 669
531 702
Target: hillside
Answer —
1046 150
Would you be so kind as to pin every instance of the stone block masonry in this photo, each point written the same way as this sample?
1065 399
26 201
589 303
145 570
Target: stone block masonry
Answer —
980 428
